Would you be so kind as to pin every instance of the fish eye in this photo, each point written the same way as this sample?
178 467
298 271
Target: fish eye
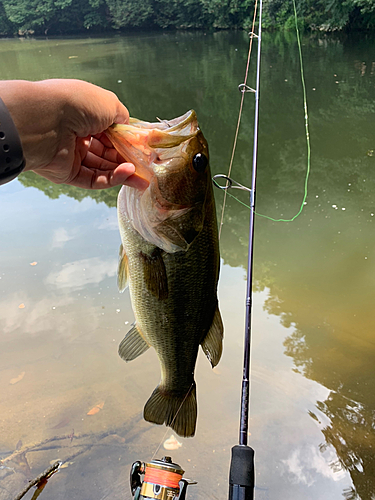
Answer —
200 162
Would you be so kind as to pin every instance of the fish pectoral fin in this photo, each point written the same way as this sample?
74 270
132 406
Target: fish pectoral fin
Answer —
212 344
133 345
155 275
183 226
173 235
122 270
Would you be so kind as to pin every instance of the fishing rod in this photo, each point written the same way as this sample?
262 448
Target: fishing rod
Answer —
241 475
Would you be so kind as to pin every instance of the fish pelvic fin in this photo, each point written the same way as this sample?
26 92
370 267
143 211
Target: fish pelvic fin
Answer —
133 345
212 344
155 273
122 270
177 411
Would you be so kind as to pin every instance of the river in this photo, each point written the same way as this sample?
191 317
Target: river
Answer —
313 352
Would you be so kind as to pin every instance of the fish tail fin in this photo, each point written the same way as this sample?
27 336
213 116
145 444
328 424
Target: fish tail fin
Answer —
177 411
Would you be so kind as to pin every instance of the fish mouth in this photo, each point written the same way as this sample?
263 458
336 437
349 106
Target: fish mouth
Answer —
145 143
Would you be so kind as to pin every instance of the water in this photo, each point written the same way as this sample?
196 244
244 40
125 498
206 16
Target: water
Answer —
312 403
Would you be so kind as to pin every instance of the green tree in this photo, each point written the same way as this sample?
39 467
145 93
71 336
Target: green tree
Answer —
328 15
6 26
229 13
180 14
130 13
55 15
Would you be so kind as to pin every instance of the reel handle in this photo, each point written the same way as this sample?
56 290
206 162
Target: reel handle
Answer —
135 478
183 484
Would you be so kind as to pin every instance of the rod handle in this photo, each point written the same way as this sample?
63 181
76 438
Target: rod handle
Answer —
241 474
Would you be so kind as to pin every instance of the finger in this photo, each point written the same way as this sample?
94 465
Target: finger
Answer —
121 176
122 115
101 179
98 179
95 178
101 152
97 163
102 137
136 182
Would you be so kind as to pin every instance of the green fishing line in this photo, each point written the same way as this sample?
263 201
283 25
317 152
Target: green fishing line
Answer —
306 131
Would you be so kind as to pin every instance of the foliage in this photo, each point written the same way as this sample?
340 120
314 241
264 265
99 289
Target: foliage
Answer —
74 16
180 14
324 15
6 25
56 16
129 13
230 13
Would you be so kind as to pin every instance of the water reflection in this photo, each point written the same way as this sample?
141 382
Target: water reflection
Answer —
315 278
54 191
80 273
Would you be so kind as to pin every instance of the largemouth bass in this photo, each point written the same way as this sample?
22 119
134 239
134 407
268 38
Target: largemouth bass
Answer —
170 258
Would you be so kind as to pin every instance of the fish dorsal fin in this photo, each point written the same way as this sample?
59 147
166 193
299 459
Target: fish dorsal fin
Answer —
133 345
122 270
212 344
155 275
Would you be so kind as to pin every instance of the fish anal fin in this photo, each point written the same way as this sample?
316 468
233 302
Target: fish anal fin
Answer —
133 345
122 270
212 344
155 275
177 411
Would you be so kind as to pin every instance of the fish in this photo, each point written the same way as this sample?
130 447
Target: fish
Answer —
169 257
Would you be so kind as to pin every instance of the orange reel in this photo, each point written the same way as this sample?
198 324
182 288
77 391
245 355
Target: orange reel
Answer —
162 480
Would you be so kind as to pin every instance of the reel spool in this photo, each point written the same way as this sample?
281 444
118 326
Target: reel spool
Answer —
162 480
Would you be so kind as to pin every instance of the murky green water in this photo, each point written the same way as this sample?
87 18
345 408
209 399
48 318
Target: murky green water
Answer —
313 392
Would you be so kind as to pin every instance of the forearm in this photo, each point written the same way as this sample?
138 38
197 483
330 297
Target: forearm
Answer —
37 109
25 99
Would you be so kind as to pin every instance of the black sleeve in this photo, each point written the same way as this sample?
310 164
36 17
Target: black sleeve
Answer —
12 161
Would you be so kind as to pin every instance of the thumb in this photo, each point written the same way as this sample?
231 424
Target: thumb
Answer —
122 114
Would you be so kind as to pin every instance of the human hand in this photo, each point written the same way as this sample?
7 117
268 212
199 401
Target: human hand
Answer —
61 124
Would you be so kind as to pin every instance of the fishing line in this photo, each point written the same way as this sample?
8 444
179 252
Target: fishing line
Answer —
174 418
306 120
243 89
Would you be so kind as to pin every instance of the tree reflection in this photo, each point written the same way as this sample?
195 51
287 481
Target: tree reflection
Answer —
351 432
54 191
343 362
